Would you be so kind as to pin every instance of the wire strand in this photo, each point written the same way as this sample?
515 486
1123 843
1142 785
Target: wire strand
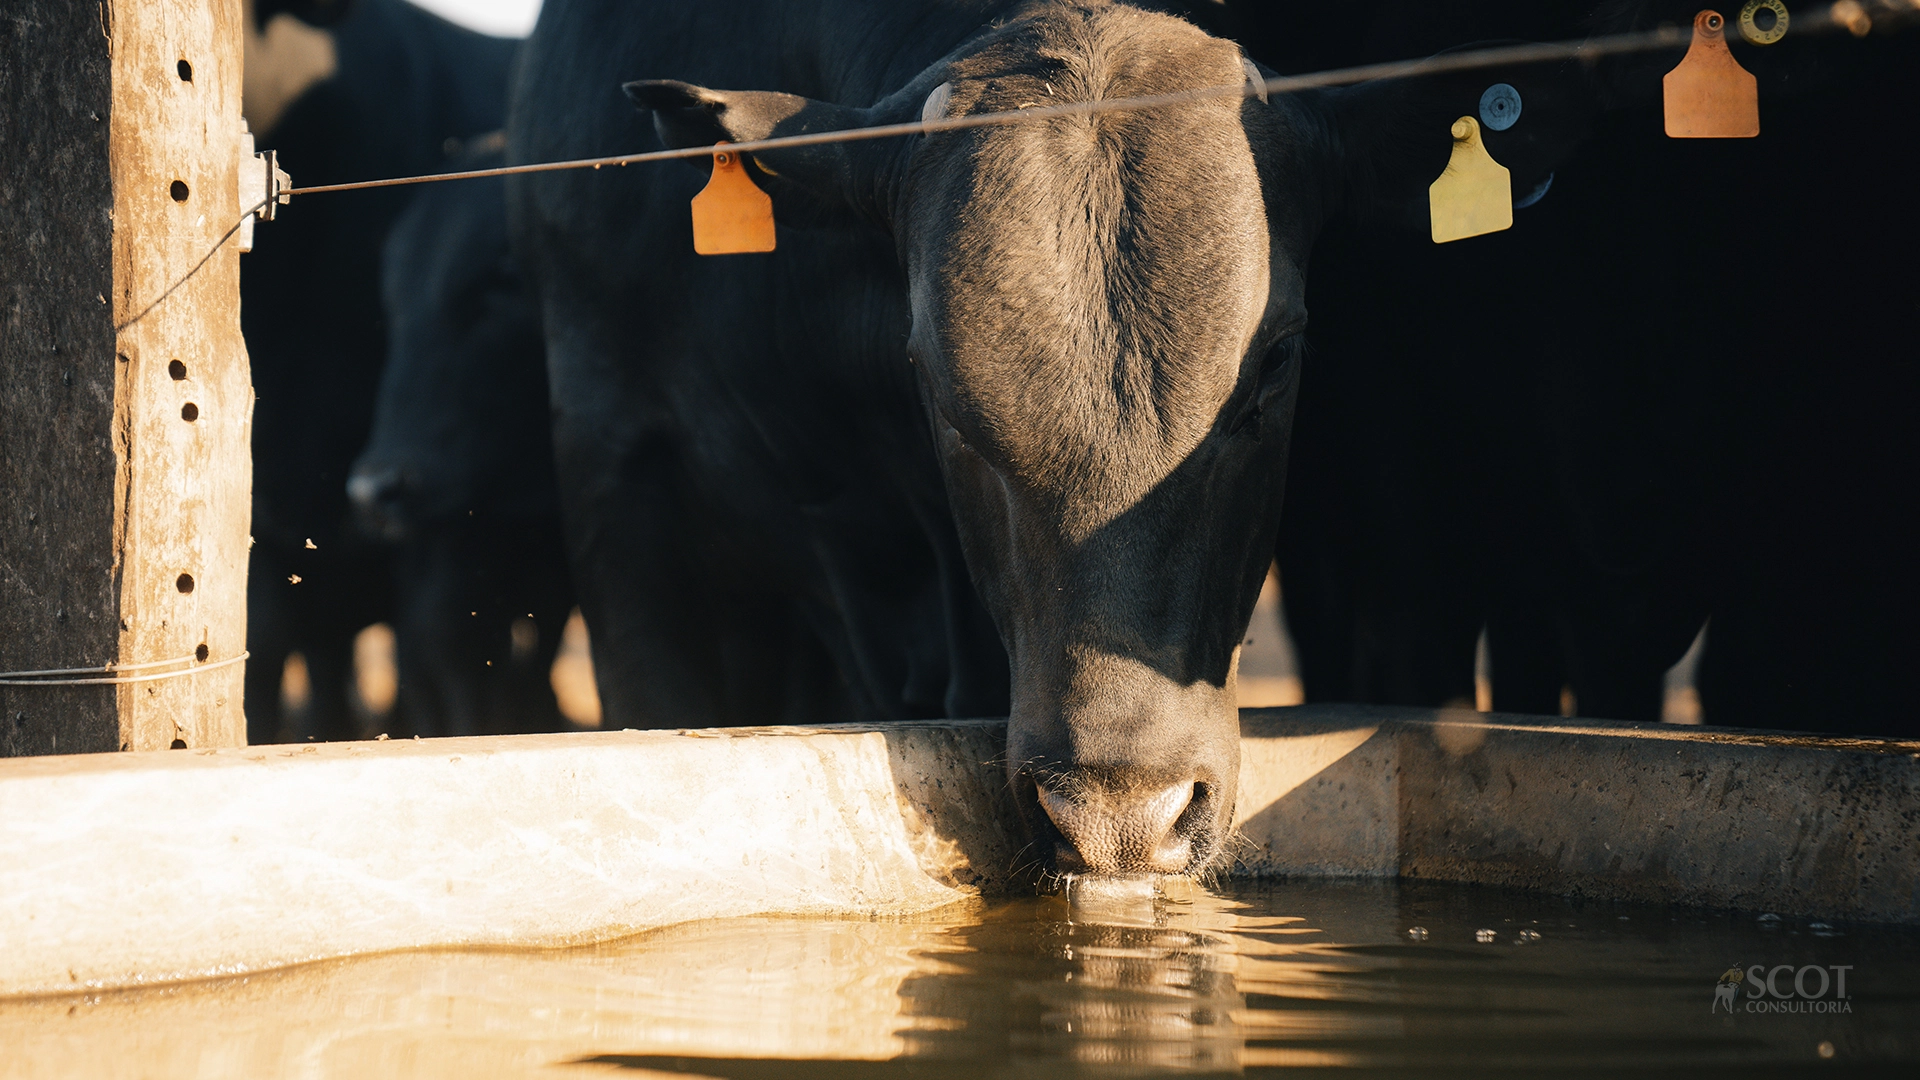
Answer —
1842 15
1586 50
11 678
204 259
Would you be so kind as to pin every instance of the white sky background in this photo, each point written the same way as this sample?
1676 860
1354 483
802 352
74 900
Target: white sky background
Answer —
503 18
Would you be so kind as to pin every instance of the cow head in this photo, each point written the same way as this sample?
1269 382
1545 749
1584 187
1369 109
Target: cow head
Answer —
1105 317
461 421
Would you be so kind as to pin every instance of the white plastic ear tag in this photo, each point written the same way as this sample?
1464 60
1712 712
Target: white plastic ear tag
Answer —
935 107
1475 195
1255 81
1710 96
1763 22
731 215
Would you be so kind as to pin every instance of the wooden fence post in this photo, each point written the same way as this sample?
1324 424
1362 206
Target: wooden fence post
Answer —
125 474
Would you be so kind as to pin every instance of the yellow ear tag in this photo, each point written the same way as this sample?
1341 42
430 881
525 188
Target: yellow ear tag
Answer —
1475 194
731 215
1710 96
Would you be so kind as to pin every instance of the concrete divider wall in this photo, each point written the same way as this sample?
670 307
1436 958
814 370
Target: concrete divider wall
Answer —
1795 824
128 869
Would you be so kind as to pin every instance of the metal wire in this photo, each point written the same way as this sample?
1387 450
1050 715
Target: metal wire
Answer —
1585 50
204 259
1666 37
1844 15
16 678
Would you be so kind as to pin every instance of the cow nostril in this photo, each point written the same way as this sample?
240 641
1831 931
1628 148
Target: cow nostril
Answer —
1125 833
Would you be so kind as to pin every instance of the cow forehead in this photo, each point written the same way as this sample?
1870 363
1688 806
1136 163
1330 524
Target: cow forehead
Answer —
1086 287
1087 52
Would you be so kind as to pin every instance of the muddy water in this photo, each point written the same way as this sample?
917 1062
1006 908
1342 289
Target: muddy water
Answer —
1247 979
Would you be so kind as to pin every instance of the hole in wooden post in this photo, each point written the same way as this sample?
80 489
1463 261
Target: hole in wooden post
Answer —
184 583
189 412
201 652
186 71
177 369
178 190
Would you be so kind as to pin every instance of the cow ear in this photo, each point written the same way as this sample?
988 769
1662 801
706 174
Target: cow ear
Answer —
1392 138
823 182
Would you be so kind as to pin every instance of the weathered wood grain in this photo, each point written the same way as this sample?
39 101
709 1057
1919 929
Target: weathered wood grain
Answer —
185 484
124 465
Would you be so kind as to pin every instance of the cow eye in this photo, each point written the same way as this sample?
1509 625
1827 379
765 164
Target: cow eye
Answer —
1279 355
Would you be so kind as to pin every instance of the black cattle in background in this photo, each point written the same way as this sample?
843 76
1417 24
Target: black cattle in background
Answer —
404 87
1002 423
458 472
1676 388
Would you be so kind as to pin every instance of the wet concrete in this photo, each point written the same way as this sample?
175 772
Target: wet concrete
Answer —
130 869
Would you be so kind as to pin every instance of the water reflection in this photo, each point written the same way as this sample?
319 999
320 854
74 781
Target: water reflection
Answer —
1115 982
1127 977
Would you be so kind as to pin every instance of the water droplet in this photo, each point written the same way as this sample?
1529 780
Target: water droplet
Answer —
1825 1049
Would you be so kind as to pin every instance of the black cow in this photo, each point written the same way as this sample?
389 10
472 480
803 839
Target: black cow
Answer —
1002 422
1671 391
458 472
396 88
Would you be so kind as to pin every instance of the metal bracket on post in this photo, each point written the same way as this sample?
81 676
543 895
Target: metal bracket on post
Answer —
262 181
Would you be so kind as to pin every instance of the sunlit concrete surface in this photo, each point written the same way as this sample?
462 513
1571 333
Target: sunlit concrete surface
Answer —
126 869
131 869
1795 824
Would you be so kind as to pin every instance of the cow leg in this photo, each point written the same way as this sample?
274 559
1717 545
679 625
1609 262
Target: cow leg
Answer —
329 717
658 620
269 641
1528 667
441 651
539 588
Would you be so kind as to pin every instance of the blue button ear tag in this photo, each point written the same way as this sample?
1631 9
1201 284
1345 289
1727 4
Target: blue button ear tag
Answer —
1539 192
1499 107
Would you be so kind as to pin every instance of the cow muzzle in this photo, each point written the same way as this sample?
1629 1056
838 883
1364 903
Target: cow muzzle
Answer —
1163 830
379 498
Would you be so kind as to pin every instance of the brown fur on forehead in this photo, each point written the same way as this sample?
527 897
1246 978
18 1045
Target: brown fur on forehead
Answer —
1098 277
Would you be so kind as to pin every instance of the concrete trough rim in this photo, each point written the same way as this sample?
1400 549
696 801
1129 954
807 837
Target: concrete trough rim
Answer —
1582 725
555 840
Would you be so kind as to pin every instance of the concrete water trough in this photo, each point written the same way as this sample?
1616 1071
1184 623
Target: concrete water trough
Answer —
140 868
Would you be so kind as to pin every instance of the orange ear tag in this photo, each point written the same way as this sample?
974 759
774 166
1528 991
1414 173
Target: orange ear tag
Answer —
1710 96
1475 194
731 215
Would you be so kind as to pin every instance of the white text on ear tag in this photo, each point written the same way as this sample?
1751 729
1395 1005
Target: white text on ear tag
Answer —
1475 194
1710 96
731 215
